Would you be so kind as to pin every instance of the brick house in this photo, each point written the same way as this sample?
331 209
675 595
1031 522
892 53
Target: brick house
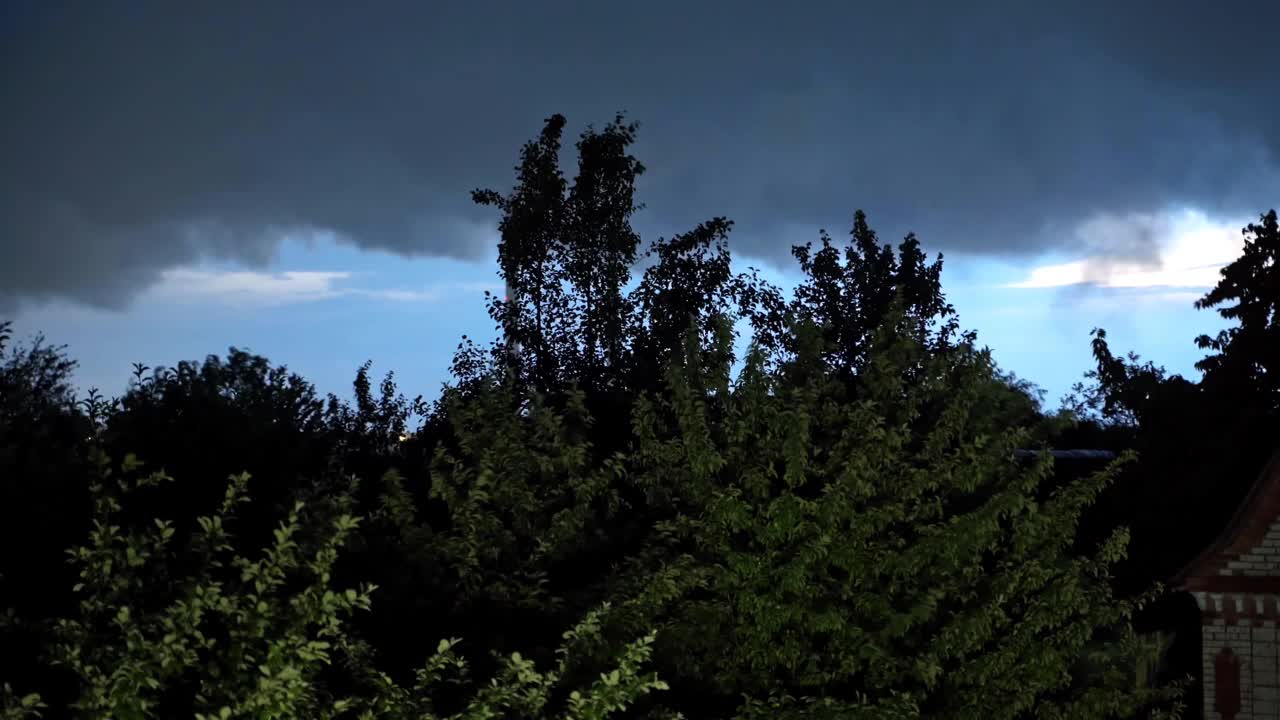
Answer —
1236 583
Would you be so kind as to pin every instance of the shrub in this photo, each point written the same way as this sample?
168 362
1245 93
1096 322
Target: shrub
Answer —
167 628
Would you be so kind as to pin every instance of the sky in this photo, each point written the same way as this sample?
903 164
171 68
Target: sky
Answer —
293 178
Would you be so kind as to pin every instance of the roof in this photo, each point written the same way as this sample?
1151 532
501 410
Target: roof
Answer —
1248 526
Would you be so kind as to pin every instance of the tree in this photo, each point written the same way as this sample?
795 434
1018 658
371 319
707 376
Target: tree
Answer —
696 444
566 253
1239 371
530 254
848 294
868 561
203 421
1201 443
842 530
602 247
690 282
43 502
1246 358
1123 391
507 525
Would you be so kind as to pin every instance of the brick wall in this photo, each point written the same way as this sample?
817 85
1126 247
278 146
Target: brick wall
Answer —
1256 647
1263 560
1249 624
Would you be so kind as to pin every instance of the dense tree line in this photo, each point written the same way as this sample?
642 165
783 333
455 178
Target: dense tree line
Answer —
841 529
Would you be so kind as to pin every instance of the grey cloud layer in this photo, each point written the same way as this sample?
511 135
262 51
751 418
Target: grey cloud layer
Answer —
139 136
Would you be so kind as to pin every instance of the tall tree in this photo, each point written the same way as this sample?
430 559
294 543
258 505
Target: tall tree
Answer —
1245 359
601 246
531 256
566 255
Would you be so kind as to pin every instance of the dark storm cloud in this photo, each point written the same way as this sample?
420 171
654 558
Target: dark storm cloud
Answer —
139 136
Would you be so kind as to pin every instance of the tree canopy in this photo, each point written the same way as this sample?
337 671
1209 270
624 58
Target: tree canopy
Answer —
841 528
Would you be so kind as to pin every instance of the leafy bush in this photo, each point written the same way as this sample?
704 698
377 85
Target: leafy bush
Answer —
168 629
869 559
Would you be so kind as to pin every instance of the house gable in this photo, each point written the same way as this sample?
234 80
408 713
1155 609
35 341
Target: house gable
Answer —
1245 558
1236 583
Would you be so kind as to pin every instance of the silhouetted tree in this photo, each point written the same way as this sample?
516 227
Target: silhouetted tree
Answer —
44 501
532 255
1201 443
848 294
601 247
1246 358
203 421
690 283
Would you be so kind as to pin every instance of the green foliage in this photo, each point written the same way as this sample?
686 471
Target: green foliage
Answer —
869 560
521 490
166 629
228 633
842 530
13 707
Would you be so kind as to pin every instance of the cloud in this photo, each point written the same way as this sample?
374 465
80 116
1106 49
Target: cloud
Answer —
1123 304
256 289
432 294
1183 250
246 287
153 136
